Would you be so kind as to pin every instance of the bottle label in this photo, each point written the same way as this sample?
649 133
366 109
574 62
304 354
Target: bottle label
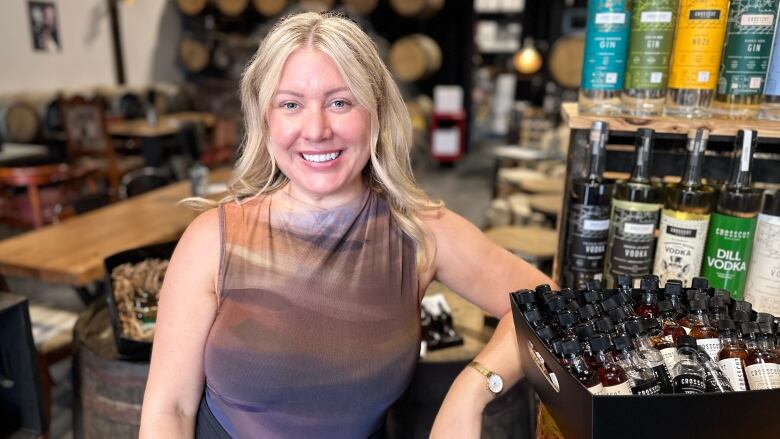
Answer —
587 237
701 29
606 40
651 387
680 245
596 390
716 380
689 383
773 75
663 377
632 238
763 376
617 389
650 50
711 346
670 358
732 368
748 44
762 287
729 243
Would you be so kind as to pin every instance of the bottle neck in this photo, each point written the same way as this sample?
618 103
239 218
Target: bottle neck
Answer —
688 353
742 163
649 298
641 171
598 142
694 162
698 318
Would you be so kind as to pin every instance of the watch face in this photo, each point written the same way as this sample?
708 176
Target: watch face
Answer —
495 383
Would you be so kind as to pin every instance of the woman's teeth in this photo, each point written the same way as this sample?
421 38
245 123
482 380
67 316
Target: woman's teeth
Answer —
319 158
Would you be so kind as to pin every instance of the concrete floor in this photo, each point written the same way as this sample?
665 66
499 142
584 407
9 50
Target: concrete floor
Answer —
464 187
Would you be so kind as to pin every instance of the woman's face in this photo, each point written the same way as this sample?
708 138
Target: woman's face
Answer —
319 133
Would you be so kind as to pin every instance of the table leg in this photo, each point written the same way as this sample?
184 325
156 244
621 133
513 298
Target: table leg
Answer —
35 205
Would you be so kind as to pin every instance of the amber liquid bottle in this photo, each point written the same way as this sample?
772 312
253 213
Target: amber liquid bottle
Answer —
731 358
760 367
613 377
706 336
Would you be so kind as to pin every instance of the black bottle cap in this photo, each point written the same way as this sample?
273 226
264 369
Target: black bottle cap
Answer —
588 312
635 328
766 328
620 299
700 295
673 288
557 347
566 319
617 315
568 294
718 302
556 305
546 332
665 305
700 282
569 347
650 323
533 315
541 289
649 282
600 343
525 296
726 325
741 316
624 281
573 306
741 305
686 340
698 304
584 331
604 324
770 203
765 317
593 285
610 303
749 328
623 343
548 296
591 297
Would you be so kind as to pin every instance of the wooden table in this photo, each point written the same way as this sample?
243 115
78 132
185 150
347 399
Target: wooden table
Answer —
529 242
13 153
72 252
167 125
542 185
547 204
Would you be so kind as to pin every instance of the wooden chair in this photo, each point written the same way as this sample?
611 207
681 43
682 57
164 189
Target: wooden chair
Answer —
89 144
47 189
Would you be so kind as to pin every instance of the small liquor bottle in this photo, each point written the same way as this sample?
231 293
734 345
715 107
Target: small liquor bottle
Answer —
745 58
760 367
730 237
706 336
762 287
649 354
566 322
649 304
689 376
742 312
673 292
719 310
526 299
701 29
770 103
588 223
731 358
716 379
573 361
671 332
641 378
636 204
685 217
604 61
649 53
613 378
584 331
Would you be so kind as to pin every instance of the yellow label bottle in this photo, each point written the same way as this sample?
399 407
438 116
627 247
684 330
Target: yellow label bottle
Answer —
698 46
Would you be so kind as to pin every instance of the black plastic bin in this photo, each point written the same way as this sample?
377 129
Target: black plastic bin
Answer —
579 414
128 348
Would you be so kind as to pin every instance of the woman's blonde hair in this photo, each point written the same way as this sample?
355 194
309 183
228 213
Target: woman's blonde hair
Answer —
388 171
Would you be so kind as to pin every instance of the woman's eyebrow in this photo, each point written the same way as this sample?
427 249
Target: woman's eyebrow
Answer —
327 93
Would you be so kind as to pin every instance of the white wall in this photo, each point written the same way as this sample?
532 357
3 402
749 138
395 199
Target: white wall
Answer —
150 34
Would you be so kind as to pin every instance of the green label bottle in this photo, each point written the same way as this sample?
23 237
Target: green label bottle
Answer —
732 226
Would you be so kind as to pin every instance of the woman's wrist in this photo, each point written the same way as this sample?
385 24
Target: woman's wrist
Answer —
472 386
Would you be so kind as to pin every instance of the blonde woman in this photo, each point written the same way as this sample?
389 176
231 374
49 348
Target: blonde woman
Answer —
292 309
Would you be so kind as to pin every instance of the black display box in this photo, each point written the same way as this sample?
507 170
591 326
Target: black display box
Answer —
579 414
128 348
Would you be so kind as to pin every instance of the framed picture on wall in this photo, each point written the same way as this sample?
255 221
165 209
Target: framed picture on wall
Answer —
43 24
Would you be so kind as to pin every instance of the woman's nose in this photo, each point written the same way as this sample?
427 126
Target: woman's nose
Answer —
316 125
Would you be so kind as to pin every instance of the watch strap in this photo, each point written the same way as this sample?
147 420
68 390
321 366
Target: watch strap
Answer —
481 369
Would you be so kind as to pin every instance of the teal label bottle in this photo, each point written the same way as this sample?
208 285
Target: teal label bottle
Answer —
606 43
650 47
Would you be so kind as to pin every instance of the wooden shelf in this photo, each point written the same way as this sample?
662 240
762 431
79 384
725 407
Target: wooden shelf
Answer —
669 125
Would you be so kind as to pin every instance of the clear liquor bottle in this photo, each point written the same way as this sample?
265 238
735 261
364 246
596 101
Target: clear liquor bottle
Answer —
588 221
730 237
715 378
685 217
649 354
636 205
745 58
689 376
641 378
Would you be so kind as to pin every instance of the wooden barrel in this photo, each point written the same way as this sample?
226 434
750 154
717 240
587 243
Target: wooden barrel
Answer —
19 121
316 5
194 54
416 8
565 61
191 7
269 8
415 57
231 8
420 109
108 391
362 7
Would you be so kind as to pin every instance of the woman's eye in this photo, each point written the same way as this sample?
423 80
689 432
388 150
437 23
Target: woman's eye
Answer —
290 106
340 103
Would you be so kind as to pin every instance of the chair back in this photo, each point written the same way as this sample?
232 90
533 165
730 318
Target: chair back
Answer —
143 180
85 128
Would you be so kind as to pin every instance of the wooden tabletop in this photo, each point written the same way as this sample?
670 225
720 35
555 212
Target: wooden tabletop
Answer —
542 185
72 252
167 125
674 125
535 242
546 203
14 152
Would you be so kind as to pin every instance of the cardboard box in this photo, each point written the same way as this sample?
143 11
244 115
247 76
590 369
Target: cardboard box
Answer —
579 414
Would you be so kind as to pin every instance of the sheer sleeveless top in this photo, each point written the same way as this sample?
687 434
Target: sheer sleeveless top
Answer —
317 327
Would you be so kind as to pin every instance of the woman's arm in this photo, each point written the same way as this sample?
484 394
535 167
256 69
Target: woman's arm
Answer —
474 267
187 308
